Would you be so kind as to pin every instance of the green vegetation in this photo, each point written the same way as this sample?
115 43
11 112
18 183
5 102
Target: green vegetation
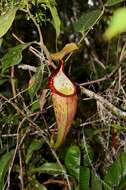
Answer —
89 36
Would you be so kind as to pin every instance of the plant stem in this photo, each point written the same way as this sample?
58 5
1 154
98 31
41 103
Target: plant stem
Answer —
42 45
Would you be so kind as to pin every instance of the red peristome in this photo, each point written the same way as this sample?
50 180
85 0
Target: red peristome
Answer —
51 82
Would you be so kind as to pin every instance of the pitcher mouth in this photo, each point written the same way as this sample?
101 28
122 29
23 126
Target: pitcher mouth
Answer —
60 84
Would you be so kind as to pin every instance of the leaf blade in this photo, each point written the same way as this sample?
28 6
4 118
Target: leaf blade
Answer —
50 168
6 21
84 178
116 171
87 20
72 161
4 163
110 3
95 181
34 145
55 16
36 81
14 56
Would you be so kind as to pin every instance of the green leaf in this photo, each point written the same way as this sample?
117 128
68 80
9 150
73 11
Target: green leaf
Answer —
72 161
38 186
12 118
117 24
35 185
49 168
35 106
6 21
36 81
118 126
87 20
113 2
2 81
56 20
1 41
84 178
34 145
116 171
13 57
88 156
76 188
122 184
4 164
95 181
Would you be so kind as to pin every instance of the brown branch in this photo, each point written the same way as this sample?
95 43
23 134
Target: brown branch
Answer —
15 135
107 77
21 170
31 49
116 111
53 181
23 115
95 58
35 51
15 152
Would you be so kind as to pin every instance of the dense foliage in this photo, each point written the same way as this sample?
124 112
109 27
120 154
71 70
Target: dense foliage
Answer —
90 37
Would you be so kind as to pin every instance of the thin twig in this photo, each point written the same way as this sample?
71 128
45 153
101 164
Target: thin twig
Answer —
15 152
85 34
36 52
31 49
21 170
57 159
13 82
42 45
90 122
8 100
22 114
61 182
116 111
17 38
123 53
89 159
97 60
107 77
15 135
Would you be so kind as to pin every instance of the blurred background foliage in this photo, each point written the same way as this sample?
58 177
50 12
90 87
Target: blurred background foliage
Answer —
93 155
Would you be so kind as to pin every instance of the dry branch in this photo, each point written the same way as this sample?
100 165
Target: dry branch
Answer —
116 111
